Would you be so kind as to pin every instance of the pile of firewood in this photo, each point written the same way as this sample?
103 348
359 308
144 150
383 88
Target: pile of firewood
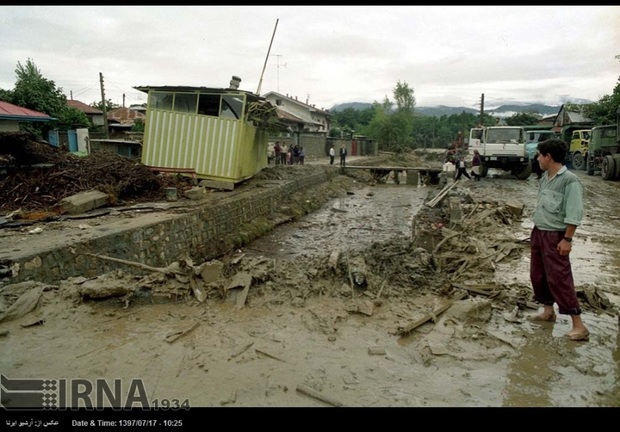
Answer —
37 176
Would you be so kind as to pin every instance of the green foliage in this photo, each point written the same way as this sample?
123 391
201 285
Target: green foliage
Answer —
138 125
393 128
350 120
604 111
403 95
6 95
35 92
523 119
109 105
73 118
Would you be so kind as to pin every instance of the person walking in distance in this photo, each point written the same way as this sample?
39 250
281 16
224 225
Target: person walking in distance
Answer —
475 165
343 155
461 168
283 154
559 211
332 154
277 150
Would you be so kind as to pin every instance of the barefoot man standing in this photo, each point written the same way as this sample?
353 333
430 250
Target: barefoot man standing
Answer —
558 212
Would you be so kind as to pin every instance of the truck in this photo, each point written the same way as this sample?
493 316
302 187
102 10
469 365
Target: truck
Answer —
501 147
578 148
604 152
532 138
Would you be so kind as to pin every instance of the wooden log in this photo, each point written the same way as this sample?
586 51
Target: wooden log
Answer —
316 395
171 269
408 328
171 337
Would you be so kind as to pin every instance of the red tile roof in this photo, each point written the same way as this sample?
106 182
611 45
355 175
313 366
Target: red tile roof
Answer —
8 111
86 109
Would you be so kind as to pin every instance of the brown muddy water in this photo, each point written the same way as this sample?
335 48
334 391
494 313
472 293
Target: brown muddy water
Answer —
261 355
542 368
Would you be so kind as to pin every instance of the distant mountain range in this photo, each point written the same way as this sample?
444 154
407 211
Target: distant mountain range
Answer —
501 111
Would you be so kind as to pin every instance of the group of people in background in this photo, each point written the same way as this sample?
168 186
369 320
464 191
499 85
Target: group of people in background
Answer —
285 155
342 152
461 166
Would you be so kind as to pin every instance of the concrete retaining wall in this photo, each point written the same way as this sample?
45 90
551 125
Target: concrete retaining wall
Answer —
199 234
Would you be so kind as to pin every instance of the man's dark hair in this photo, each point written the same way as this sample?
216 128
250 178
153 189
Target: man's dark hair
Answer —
554 147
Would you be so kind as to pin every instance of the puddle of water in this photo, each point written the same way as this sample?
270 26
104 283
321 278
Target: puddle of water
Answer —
351 222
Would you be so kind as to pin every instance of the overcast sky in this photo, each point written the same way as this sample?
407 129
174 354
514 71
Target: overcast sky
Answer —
324 55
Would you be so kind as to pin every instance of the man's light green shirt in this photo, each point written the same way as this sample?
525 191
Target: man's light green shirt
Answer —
560 201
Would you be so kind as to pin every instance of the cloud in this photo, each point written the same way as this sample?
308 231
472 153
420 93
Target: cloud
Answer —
449 55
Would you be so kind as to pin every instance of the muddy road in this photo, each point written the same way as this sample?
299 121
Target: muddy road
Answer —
287 324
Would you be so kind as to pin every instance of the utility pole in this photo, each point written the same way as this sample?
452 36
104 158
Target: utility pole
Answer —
481 109
260 82
105 112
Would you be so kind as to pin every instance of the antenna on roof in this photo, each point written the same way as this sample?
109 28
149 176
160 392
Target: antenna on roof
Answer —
260 82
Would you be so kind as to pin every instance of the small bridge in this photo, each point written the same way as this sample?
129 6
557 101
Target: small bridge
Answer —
380 173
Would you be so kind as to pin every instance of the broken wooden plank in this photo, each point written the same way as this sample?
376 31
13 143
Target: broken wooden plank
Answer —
269 355
317 395
171 269
485 290
432 203
240 351
171 337
408 328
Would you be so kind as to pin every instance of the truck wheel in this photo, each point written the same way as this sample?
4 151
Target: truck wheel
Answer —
484 170
608 168
589 165
579 162
523 172
617 164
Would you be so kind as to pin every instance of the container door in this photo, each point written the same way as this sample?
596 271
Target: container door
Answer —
72 138
52 138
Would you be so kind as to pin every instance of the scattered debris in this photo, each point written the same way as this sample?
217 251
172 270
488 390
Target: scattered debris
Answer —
317 395
171 337
430 316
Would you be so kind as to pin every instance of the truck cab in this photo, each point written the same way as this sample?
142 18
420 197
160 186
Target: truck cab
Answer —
604 152
532 138
578 148
501 147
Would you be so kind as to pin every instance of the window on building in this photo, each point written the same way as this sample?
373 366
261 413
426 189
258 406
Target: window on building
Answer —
209 105
232 107
161 100
185 102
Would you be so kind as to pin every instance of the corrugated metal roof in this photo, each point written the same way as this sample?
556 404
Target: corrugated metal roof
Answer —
283 115
311 108
125 115
8 111
251 96
86 109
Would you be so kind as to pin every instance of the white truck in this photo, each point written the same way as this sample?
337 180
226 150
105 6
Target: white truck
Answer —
501 147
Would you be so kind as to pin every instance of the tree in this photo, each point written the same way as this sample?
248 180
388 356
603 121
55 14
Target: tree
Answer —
6 95
393 128
523 119
32 90
403 95
73 118
604 111
108 104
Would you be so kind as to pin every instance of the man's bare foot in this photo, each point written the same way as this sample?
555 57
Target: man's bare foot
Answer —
579 334
545 317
